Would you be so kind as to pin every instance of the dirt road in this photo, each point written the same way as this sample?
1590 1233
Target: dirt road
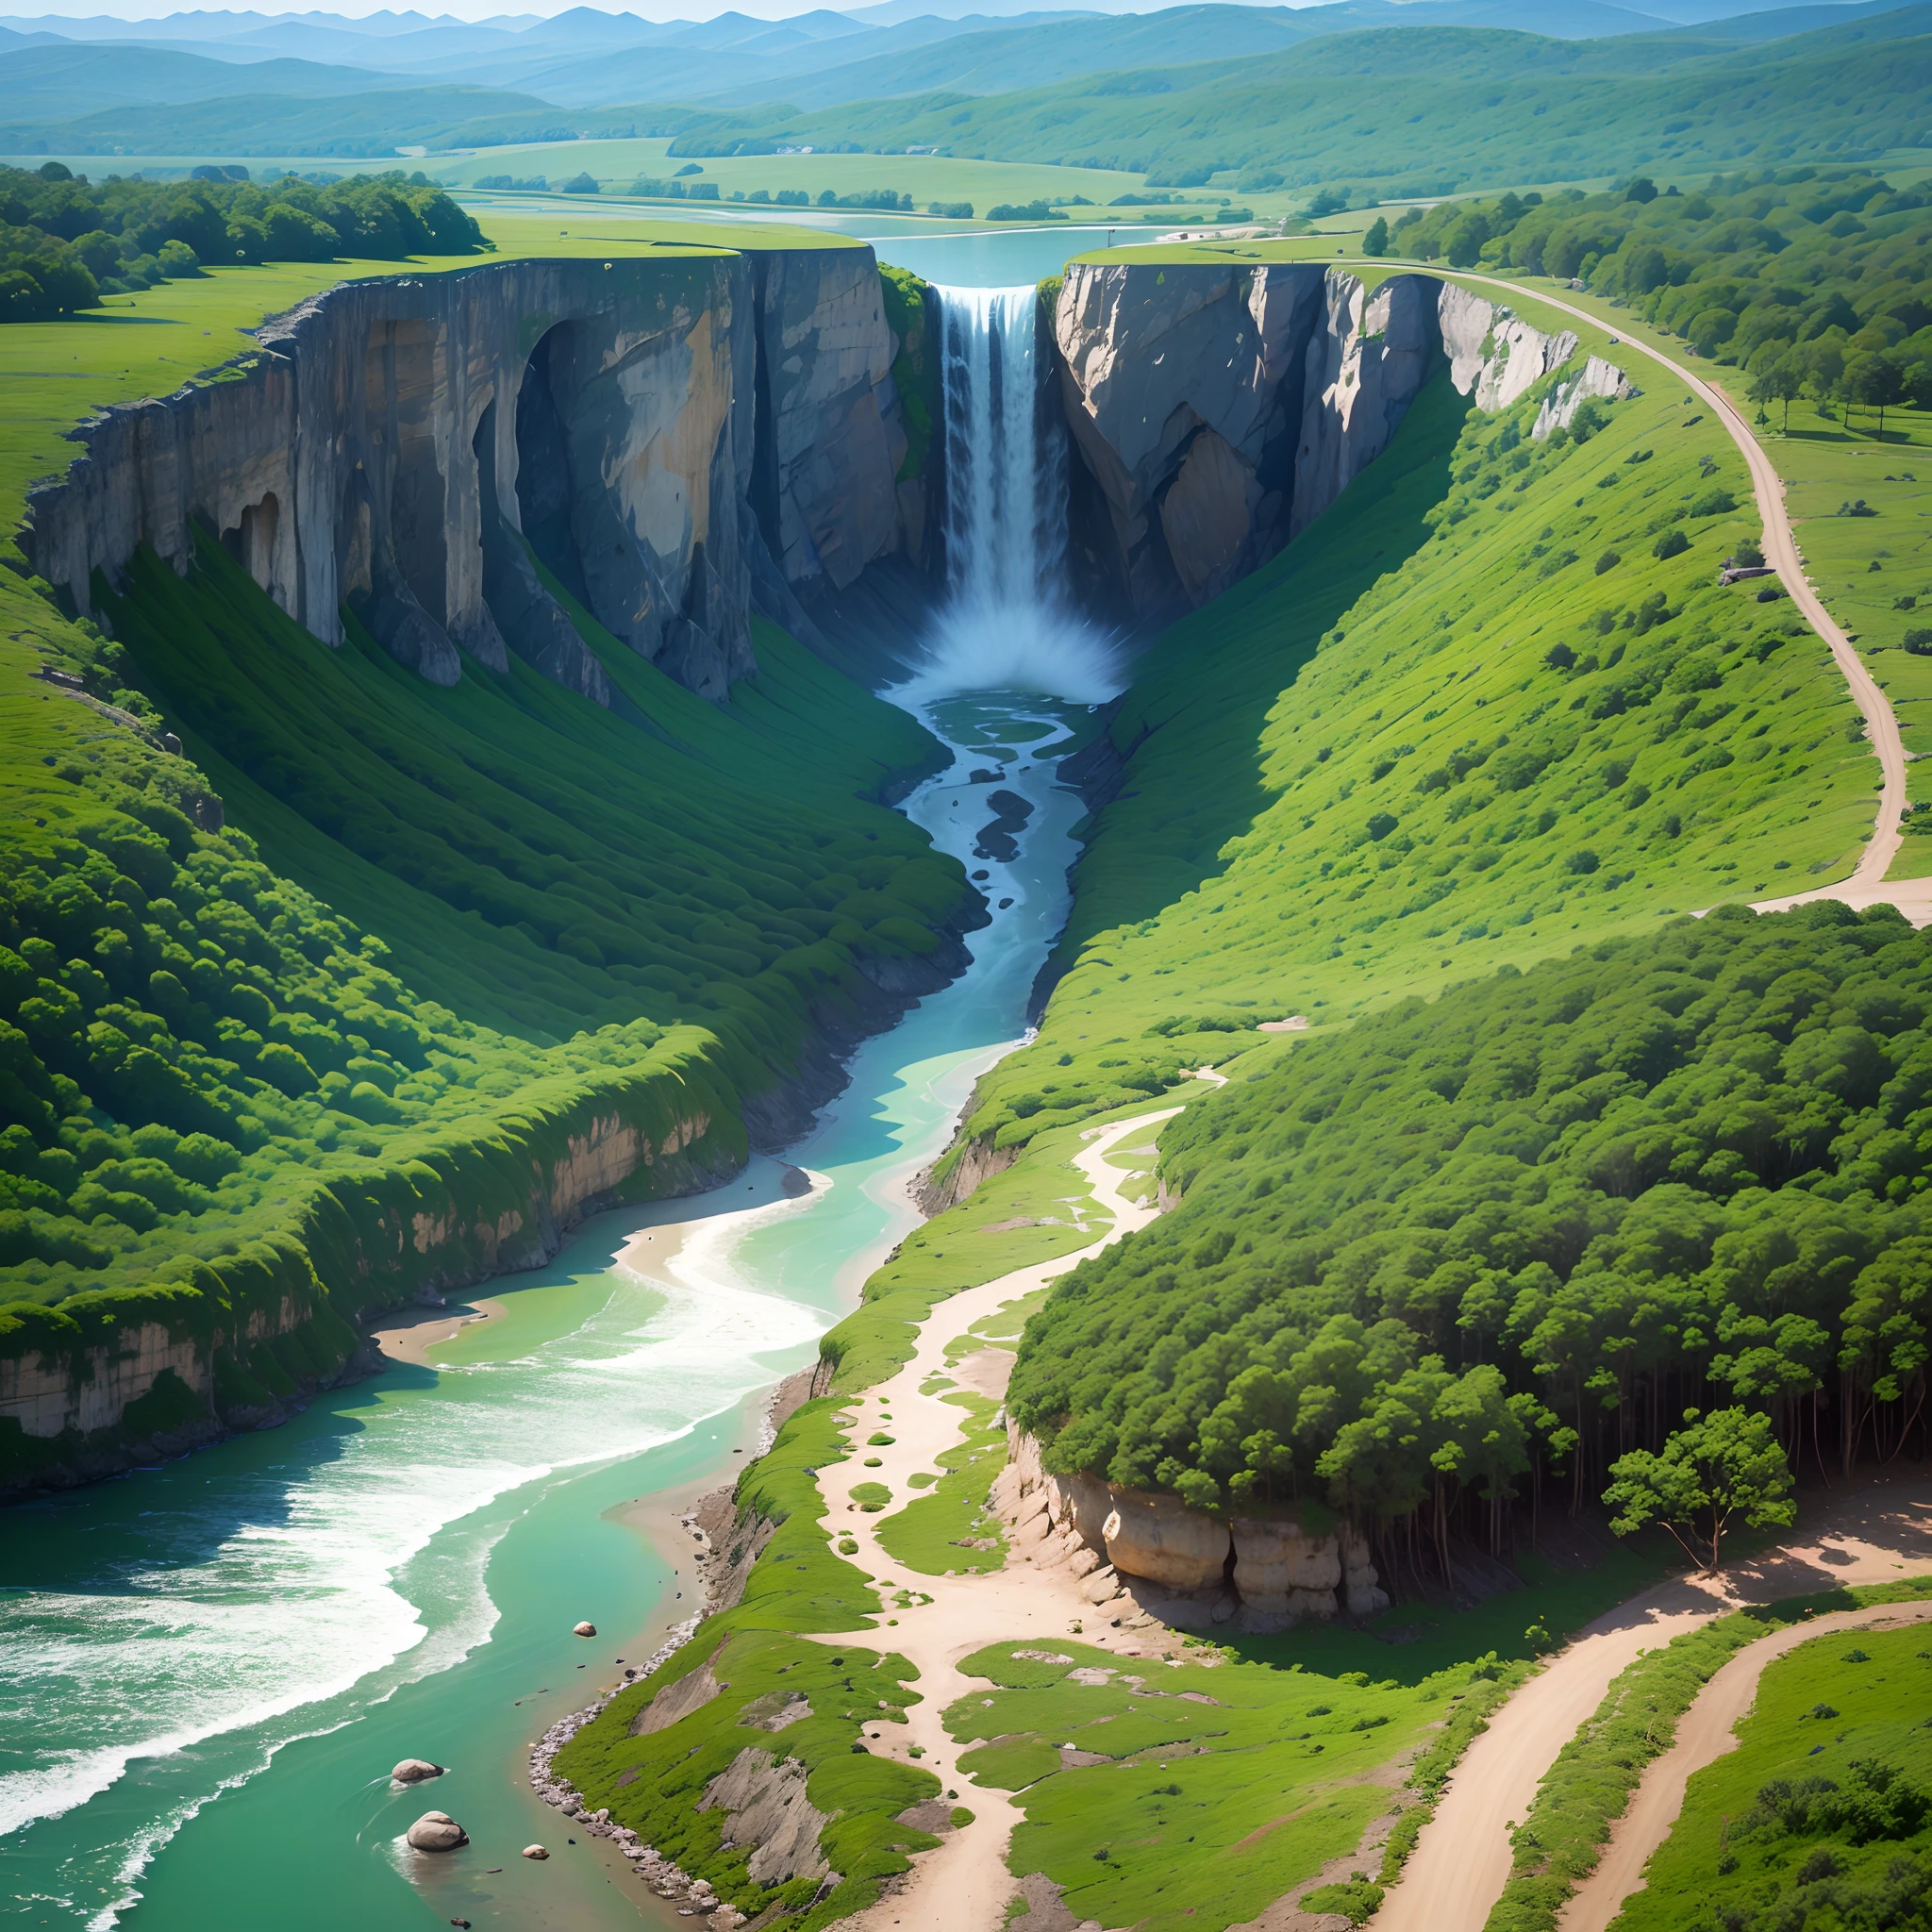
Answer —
1459 1865
1866 885
1707 1731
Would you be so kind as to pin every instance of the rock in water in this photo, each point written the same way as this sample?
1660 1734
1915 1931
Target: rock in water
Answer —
437 1831
412 1771
585 1630
535 1852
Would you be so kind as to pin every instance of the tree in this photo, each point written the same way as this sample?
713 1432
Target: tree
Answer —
1876 382
1783 382
1717 1466
1375 242
1464 243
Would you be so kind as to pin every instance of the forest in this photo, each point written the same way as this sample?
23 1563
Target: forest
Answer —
1482 1249
464 927
65 240
1815 274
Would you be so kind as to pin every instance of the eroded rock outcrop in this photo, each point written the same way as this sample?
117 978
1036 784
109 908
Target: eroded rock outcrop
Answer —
766 1799
435 453
1216 411
1149 1557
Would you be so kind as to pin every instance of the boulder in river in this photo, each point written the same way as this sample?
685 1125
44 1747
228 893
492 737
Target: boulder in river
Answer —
437 1831
585 1630
412 1771
535 1852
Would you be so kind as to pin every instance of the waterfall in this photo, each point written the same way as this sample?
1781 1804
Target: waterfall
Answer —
1007 622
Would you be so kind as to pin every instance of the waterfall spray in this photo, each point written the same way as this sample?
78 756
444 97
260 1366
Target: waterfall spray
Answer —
1006 623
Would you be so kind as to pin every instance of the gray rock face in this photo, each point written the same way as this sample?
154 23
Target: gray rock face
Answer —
765 1796
416 448
1364 368
1559 408
832 424
1217 412
1182 386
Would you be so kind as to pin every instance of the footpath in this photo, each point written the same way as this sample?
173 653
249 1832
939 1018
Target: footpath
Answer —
1867 884
964 1885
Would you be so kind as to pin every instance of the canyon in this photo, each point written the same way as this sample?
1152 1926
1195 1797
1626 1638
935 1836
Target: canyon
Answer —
466 466
677 444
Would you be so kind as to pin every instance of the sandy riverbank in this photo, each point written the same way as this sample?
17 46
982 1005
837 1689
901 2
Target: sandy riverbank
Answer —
409 1336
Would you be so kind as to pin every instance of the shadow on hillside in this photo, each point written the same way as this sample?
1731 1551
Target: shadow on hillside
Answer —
1192 724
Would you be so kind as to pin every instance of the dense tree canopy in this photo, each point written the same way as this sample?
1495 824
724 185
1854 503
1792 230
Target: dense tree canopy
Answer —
1524 1228
1818 270
65 240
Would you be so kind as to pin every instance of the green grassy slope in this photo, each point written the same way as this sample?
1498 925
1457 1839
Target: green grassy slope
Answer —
554 870
1361 770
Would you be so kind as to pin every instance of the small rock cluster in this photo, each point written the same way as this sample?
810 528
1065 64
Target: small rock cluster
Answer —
658 1872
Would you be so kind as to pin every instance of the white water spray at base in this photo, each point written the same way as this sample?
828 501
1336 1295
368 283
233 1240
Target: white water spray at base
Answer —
1007 624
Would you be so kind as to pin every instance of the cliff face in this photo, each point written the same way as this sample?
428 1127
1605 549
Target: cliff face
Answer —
101 1382
401 448
1215 412
1153 1557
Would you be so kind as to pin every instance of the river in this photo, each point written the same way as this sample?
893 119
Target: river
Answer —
208 1668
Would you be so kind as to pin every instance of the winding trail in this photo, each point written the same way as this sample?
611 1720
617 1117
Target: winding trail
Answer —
964 1885
1707 1731
1461 1861
1866 885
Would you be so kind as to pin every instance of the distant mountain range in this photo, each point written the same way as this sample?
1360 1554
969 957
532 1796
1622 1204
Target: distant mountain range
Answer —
1040 85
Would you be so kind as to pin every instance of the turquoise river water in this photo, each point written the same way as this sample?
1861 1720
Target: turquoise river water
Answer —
208 1668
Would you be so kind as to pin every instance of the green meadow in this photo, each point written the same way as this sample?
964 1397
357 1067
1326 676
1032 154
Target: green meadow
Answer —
1173 1795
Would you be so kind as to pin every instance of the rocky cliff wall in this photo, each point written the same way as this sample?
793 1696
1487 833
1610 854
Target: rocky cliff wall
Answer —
678 440
1217 411
104 1381
1151 1555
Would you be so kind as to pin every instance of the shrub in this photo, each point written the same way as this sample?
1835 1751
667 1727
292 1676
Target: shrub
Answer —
1672 544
